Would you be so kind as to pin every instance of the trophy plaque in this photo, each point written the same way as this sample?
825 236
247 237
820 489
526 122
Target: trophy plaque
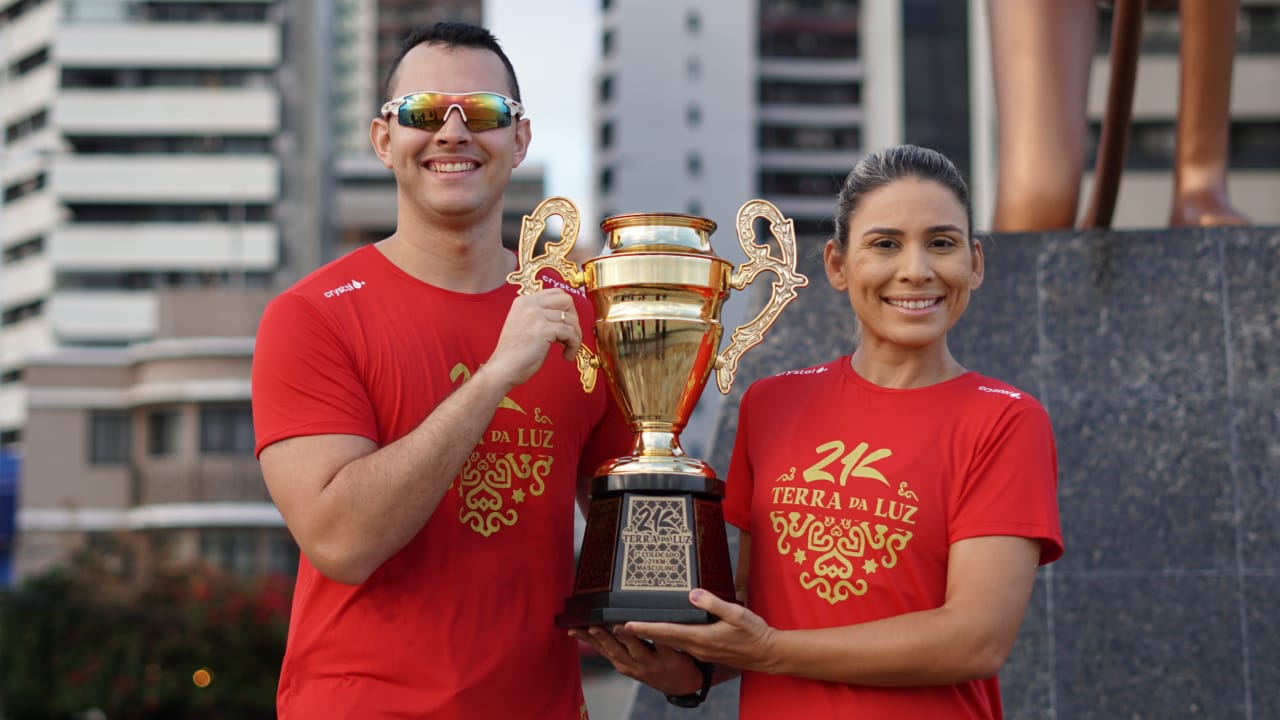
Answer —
655 529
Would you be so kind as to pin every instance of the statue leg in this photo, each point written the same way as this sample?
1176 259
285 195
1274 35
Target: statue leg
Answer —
1041 53
1207 51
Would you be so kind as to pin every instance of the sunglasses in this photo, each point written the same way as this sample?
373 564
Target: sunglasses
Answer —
430 110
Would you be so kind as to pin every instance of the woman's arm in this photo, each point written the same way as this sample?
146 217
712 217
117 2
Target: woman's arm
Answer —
989 584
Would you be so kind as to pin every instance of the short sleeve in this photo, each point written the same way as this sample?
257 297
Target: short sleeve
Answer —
1011 485
305 380
610 438
739 483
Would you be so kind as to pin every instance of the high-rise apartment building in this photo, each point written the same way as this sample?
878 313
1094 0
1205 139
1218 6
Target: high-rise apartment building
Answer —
156 192
167 167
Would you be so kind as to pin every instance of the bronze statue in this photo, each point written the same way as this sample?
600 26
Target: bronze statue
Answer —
1041 54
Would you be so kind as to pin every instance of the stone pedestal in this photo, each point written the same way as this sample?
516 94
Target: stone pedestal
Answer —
1157 355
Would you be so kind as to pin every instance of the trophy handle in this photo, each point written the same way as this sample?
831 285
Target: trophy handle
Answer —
761 259
555 257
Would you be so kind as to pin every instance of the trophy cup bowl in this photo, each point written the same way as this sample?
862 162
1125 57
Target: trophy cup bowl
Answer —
655 529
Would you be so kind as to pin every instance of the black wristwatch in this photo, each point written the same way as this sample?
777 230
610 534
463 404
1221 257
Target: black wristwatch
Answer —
693 700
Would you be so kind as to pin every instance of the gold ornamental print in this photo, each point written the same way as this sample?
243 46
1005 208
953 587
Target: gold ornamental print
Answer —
837 554
492 484
835 523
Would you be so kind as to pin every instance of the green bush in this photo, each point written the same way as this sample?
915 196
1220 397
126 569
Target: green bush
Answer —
76 640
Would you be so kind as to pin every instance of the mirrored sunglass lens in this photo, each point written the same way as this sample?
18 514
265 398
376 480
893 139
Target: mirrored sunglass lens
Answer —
428 111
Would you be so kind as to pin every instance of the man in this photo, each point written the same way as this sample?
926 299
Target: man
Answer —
420 427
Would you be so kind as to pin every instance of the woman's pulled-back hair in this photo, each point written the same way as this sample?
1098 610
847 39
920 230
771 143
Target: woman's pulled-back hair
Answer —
899 162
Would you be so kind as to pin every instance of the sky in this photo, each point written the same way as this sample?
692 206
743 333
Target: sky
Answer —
553 45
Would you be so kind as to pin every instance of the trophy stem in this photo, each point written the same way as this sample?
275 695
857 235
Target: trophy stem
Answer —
658 443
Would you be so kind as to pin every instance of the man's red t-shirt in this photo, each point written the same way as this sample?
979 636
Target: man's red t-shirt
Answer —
460 622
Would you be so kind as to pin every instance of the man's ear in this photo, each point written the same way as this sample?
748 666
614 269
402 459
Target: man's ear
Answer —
833 261
524 135
380 138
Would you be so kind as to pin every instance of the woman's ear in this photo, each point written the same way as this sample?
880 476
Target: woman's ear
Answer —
979 266
833 261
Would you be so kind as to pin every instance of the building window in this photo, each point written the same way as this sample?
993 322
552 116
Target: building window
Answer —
606 135
606 43
693 68
109 437
799 183
31 62
606 181
694 207
846 92
606 88
226 429
1253 144
693 164
773 137
162 432
28 248
693 116
803 44
282 554
15 315
24 188
693 22
235 551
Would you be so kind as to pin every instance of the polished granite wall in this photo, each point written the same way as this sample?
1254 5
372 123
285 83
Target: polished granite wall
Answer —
1157 354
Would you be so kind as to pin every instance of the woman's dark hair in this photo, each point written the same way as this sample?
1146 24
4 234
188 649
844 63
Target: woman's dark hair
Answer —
896 163
451 35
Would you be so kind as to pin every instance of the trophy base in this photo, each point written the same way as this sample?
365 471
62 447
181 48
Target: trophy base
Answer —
601 609
650 539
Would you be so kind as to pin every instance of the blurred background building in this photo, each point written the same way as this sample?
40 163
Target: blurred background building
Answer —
168 166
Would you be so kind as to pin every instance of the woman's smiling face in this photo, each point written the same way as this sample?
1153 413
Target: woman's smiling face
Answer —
908 265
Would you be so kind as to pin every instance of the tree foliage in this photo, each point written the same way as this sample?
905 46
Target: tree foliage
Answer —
185 643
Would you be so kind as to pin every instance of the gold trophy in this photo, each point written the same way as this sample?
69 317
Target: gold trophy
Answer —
655 529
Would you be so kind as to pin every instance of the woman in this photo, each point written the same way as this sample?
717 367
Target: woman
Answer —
894 506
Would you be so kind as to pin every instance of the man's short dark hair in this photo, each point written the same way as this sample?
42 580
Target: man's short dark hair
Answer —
451 35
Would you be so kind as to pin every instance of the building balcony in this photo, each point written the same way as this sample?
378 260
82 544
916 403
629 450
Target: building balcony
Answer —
208 479
103 316
28 217
808 69
31 30
150 179
24 281
168 45
1255 89
29 93
33 336
170 111
165 247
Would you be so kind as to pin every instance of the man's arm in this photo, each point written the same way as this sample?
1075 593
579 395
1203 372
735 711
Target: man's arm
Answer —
351 505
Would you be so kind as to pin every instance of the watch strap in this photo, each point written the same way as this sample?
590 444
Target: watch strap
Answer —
693 700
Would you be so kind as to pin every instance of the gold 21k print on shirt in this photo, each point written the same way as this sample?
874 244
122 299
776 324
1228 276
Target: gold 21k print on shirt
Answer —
836 549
